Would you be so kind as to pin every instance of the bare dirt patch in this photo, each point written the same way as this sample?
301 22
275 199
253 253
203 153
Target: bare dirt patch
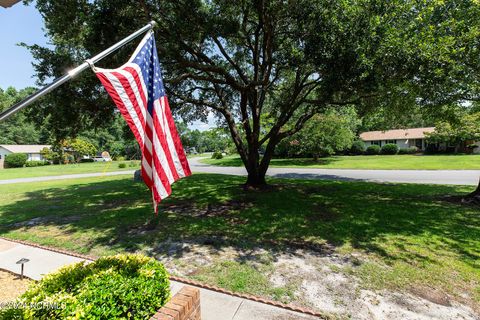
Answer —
11 286
320 280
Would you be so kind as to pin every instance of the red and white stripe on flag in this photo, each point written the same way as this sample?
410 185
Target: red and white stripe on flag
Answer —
137 90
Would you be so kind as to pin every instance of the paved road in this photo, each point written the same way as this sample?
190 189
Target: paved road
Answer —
455 177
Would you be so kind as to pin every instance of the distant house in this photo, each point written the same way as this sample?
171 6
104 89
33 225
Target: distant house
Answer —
415 137
31 150
403 138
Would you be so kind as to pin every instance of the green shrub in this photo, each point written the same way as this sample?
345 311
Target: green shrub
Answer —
120 158
115 287
133 164
86 160
122 165
357 148
373 149
15 160
36 163
410 150
217 155
389 148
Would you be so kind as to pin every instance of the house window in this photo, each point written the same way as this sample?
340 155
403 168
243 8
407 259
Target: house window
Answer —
392 141
378 143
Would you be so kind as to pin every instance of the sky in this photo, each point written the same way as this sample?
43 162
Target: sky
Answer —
19 23
22 23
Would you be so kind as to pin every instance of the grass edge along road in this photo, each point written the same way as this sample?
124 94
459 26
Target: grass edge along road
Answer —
407 236
380 162
63 169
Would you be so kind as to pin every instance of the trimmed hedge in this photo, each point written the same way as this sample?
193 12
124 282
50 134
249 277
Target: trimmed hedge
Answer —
36 163
389 148
115 287
15 160
373 149
410 150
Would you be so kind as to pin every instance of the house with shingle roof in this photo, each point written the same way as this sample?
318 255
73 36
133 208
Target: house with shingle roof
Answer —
407 138
403 138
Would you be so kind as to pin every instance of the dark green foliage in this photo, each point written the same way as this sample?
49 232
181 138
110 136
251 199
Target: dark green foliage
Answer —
389 148
20 129
373 150
36 163
358 147
121 286
15 160
264 68
217 155
410 150
122 165
86 160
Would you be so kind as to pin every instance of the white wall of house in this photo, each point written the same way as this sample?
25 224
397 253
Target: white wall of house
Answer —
401 143
3 153
34 157
30 156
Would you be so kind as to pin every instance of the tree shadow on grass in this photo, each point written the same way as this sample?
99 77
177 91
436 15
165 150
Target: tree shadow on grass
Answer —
114 216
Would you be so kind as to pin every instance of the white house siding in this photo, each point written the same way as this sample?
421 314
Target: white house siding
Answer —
34 157
401 143
3 153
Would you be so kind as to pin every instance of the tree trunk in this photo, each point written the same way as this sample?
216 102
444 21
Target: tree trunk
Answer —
473 197
256 176
256 180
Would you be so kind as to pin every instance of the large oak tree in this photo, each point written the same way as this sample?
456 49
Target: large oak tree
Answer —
265 67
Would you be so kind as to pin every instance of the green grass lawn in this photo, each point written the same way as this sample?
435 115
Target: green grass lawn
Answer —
420 162
409 233
57 170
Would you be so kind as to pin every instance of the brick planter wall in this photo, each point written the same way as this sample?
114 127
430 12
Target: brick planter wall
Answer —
185 305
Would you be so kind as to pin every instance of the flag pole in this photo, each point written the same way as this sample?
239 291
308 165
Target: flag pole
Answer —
73 73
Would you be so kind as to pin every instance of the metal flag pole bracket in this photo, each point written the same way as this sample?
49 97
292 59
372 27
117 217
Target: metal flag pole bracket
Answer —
73 73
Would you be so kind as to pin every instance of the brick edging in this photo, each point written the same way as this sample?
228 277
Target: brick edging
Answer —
188 281
249 297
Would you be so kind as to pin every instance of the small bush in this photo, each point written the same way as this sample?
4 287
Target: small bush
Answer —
217 155
389 148
410 150
133 164
15 160
116 287
373 149
357 148
120 158
86 160
122 165
36 163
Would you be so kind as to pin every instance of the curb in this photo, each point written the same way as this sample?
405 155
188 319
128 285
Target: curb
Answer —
188 281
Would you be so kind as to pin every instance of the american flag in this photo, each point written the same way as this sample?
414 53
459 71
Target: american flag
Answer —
137 90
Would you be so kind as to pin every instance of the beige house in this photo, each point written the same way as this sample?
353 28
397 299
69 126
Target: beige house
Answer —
31 150
406 138
403 138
